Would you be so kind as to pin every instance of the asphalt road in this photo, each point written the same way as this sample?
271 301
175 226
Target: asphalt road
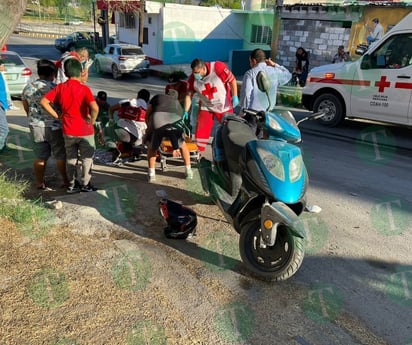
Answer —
355 284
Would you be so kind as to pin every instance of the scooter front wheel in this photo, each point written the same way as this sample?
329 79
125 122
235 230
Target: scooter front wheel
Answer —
270 263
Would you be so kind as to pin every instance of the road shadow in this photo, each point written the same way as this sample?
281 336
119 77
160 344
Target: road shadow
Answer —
124 197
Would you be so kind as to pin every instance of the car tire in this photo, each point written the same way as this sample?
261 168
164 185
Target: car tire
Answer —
115 72
333 108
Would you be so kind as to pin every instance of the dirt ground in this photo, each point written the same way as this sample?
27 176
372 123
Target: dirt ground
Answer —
101 273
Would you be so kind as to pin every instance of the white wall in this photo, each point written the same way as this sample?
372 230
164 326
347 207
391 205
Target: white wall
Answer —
200 21
178 23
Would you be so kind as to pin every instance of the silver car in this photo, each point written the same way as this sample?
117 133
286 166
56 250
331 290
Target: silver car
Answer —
120 59
17 74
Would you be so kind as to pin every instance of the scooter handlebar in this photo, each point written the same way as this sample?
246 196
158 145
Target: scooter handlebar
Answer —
314 116
260 115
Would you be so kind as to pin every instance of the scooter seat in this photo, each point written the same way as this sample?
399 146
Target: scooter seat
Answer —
235 135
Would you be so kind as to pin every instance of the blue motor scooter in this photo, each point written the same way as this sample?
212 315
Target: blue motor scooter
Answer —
259 182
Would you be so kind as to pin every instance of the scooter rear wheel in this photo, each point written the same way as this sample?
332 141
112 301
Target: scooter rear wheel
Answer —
271 263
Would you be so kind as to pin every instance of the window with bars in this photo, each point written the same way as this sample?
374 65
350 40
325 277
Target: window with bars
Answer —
261 34
127 20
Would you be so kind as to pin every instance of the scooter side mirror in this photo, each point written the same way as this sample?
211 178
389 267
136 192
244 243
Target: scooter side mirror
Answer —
263 82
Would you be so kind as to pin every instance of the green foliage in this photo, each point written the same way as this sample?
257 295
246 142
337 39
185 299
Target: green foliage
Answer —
177 75
64 10
11 187
233 4
173 75
32 219
290 96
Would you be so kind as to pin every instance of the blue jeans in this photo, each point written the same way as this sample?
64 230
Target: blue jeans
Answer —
369 39
4 128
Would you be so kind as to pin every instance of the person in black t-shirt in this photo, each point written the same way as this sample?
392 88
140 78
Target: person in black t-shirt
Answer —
162 113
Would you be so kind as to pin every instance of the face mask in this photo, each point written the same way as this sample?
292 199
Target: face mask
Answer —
197 76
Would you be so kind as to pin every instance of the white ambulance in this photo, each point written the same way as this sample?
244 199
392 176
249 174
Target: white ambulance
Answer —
377 86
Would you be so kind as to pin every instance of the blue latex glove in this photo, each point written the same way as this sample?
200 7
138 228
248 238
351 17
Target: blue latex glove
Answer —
235 101
185 116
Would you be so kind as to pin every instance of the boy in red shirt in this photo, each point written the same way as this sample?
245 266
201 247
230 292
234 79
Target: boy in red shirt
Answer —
78 113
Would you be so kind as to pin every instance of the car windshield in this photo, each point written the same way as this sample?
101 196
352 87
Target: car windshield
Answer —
132 51
87 35
9 59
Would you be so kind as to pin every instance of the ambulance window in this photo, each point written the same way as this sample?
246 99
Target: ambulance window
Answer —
401 52
395 52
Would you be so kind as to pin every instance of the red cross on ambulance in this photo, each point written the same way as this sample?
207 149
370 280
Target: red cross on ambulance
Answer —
382 83
386 99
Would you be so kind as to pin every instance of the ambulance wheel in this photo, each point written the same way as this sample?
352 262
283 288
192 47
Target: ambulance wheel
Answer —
332 106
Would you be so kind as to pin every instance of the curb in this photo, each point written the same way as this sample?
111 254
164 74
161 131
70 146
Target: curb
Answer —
39 34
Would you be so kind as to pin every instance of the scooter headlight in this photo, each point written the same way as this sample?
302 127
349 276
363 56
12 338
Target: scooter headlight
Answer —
296 168
273 123
272 163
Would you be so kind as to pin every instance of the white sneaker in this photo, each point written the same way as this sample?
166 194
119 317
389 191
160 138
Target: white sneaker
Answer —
189 174
151 178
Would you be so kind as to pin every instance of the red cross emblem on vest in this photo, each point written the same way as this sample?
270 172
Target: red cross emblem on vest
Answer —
382 84
209 91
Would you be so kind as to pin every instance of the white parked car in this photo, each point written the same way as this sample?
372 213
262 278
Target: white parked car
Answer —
17 74
119 59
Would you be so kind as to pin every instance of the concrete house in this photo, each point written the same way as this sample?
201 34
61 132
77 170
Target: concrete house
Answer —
174 33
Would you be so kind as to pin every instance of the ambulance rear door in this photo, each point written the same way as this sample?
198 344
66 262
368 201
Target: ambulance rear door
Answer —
382 86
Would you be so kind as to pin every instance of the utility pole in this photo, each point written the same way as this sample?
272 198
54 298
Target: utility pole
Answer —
105 26
37 2
277 19
141 21
94 24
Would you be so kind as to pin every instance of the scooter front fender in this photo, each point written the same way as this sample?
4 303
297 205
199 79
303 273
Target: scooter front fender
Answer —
278 213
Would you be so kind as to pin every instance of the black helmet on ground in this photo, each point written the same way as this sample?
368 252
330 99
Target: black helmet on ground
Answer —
181 220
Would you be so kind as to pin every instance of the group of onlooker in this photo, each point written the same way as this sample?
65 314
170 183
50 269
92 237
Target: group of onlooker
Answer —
62 110
73 103
62 113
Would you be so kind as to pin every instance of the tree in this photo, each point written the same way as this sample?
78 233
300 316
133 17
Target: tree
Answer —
10 13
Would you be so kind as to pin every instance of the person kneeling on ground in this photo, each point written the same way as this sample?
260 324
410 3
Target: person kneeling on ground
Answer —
162 114
131 124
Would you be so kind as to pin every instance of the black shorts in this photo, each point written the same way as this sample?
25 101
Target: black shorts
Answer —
175 135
